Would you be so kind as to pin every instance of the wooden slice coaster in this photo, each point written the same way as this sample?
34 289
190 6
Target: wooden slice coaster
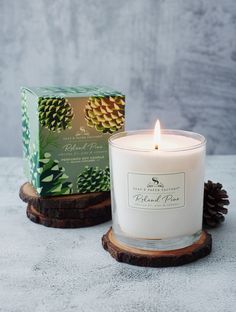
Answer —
29 195
101 209
36 217
149 258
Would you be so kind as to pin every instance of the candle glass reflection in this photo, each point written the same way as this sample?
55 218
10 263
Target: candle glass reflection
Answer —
157 194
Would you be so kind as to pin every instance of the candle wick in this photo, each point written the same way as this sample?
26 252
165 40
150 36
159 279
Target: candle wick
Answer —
156 146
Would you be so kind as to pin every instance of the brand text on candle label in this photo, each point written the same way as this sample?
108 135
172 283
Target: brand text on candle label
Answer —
156 191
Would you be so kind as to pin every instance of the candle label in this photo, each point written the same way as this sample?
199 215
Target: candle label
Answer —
156 191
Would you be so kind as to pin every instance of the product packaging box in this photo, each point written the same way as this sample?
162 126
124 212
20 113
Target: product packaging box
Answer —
65 137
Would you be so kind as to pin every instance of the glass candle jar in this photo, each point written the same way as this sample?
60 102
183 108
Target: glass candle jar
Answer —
157 194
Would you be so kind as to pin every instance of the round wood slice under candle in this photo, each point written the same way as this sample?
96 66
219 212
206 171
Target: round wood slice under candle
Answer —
152 258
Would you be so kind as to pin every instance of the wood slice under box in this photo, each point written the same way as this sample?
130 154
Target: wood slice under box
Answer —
28 194
36 217
101 209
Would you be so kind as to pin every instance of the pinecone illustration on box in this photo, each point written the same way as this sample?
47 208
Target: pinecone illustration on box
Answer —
94 179
55 114
105 114
48 177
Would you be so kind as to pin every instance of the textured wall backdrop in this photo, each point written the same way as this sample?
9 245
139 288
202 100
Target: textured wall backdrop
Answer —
175 60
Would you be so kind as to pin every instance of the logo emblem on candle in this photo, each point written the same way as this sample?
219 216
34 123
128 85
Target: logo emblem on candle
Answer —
157 182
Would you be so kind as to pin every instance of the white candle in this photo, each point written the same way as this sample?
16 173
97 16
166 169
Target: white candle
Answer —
157 185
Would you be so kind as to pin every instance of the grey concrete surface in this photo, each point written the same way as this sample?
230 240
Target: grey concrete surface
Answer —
175 60
46 270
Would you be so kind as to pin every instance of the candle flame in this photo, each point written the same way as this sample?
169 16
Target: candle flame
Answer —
157 134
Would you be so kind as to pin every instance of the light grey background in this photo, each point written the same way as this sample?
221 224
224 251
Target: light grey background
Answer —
175 60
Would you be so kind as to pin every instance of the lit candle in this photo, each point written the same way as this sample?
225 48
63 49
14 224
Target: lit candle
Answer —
157 187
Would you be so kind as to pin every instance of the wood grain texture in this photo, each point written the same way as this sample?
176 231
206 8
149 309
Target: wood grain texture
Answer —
39 218
148 258
71 211
102 209
74 201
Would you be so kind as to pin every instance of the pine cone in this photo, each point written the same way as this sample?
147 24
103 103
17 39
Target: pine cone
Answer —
213 207
94 179
48 177
105 114
55 114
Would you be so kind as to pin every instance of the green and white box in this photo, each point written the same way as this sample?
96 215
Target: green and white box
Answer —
65 137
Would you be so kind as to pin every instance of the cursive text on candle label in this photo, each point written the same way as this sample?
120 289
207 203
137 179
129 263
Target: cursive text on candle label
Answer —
156 191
